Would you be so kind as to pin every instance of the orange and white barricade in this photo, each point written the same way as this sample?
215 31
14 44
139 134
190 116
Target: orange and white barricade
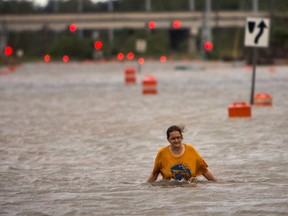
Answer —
149 85
130 76
263 99
239 109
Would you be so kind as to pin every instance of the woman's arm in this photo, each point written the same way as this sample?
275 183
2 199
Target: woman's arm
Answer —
209 176
153 177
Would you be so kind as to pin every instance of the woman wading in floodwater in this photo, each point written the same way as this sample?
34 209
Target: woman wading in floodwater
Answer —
179 160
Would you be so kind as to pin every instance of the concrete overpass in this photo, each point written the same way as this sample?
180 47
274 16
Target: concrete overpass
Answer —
133 20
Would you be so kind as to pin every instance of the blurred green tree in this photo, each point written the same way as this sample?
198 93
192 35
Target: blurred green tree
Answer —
228 43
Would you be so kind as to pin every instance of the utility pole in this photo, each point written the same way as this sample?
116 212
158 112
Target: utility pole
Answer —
148 5
80 6
255 7
193 32
206 28
55 6
3 34
80 10
111 30
192 5
110 6
207 20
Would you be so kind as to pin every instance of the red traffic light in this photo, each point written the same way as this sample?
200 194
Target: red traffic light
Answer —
130 56
65 58
151 24
208 45
47 58
72 27
120 56
98 45
163 59
141 60
8 51
176 24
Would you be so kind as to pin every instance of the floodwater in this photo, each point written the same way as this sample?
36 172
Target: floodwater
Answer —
76 140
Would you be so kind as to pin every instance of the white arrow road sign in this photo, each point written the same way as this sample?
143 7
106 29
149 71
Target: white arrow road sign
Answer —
257 32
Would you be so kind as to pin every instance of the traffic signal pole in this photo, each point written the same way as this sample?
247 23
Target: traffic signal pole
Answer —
111 30
3 36
206 28
148 5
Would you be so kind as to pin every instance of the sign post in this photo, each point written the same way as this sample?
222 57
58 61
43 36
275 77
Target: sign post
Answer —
256 35
255 57
141 47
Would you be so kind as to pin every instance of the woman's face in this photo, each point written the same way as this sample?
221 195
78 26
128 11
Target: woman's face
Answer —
175 139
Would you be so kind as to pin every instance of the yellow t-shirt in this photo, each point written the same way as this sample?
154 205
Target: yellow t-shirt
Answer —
189 164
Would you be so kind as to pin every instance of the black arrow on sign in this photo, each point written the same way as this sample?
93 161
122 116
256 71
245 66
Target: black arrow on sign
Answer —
261 25
251 26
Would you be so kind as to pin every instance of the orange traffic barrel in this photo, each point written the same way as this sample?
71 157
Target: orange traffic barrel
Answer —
12 68
239 109
149 85
263 99
130 75
272 69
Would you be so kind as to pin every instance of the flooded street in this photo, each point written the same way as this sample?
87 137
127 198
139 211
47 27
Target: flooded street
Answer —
76 140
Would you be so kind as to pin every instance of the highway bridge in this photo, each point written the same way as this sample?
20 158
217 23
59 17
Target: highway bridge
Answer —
132 20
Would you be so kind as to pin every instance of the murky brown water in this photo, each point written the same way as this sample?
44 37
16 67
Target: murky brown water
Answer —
75 140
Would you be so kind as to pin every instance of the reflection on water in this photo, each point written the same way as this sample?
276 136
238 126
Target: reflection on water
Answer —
75 140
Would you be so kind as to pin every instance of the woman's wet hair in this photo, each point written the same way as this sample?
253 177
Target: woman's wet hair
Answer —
172 128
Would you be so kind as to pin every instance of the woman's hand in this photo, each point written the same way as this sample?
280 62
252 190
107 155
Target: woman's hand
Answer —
153 177
192 179
209 176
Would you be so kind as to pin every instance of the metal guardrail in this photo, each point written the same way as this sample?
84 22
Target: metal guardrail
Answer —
135 20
